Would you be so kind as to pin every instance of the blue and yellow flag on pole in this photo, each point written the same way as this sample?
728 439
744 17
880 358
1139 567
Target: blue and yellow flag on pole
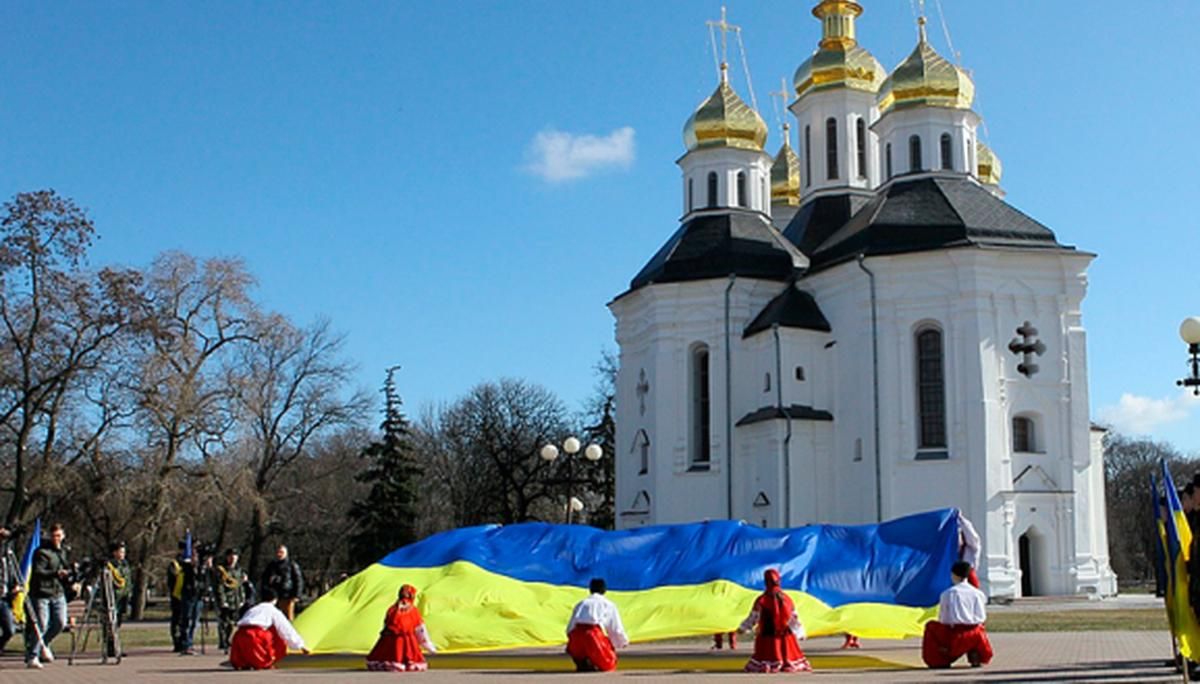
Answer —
1179 548
18 604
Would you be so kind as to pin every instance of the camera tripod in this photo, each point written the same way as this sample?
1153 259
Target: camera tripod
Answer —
102 617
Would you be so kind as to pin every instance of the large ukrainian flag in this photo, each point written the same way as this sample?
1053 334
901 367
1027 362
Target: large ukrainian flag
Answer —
494 587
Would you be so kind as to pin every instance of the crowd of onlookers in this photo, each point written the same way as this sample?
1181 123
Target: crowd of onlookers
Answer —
197 579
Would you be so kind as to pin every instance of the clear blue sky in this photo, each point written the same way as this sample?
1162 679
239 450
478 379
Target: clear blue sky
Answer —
373 162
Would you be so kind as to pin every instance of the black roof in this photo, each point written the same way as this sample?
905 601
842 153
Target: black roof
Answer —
795 412
714 245
791 308
932 212
820 217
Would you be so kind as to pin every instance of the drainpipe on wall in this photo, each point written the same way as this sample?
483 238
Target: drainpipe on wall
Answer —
875 384
728 406
787 439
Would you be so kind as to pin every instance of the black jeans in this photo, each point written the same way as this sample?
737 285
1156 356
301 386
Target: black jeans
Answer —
8 626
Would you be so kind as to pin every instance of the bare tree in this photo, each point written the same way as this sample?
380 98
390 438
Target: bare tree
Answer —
289 389
194 315
1128 464
56 323
494 434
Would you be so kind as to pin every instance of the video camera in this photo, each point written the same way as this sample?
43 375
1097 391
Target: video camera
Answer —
80 574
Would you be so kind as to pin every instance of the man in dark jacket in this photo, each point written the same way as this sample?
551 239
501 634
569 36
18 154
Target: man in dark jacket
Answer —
47 599
8 582
283 577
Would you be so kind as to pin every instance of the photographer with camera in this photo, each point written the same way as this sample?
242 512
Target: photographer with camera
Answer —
229 588
184 591
46 611
284 579
8 585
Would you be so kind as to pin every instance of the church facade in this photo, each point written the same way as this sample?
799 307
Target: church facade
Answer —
863 330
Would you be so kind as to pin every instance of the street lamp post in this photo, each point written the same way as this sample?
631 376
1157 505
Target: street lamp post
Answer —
1189 330
570 449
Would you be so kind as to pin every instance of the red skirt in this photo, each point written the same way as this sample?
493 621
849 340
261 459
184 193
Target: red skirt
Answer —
591 649
256 648
944 644
777 653
397 653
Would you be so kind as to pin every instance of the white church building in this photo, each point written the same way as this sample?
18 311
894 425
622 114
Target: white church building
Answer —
863 330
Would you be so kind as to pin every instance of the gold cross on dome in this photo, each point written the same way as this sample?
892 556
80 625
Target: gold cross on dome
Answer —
725 28
782 94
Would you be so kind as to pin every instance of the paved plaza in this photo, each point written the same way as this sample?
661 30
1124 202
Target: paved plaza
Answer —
1034 657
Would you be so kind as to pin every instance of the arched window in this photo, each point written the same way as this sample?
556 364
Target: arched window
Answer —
860 135
807 156
641 443
1023 437
712 188
914 153
931 390
889 160
831 160
741 188
947 160
691 194
701 411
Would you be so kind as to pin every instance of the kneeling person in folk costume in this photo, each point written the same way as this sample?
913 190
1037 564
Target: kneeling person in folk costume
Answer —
399 646
263 636
776 648
959 629
595 631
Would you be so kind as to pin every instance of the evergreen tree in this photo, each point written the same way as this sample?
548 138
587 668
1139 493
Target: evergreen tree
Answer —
387 518
601 410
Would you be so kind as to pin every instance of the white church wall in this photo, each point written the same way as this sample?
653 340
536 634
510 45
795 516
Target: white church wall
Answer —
842 384
658 327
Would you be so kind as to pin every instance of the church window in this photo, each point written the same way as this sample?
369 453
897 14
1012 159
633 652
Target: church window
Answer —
914 153
947 161
807 155
1024 438
767 382
701 410
800 373
712 188
741 188
931 390
860 135
831 160
642 443
691 194
889 160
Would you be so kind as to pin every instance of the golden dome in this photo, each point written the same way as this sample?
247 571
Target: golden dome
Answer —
989 169
724 120
925 78
839 62
785 174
